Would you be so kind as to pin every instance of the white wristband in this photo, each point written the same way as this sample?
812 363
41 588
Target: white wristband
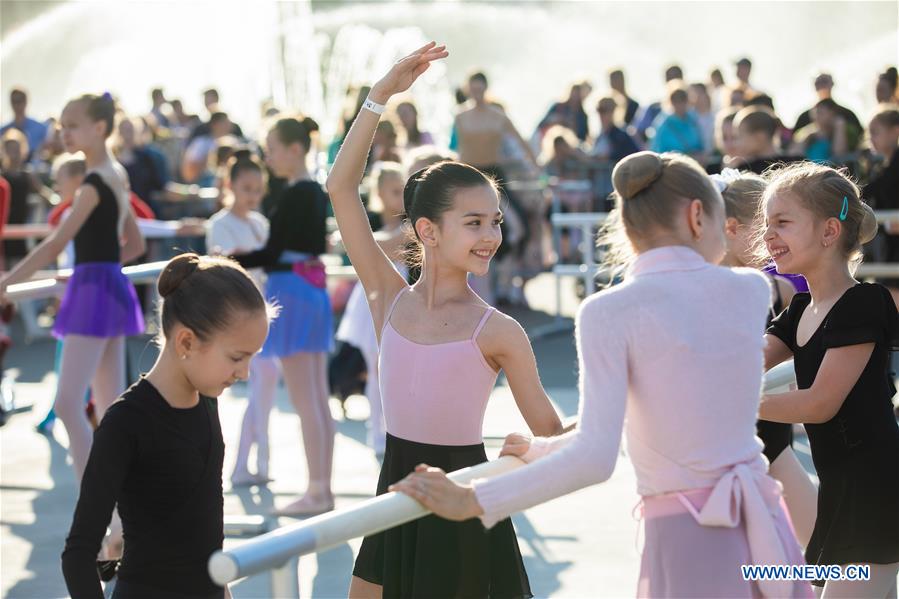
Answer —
373 106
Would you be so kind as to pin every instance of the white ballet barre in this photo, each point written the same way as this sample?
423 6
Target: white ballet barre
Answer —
149 228
43 288
279 549
140 273
588 270
562 219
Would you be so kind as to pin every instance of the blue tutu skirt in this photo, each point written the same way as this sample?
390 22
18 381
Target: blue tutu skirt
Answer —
305 322
99 301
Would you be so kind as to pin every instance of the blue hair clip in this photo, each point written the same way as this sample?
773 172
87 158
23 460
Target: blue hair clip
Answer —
106 96
844 212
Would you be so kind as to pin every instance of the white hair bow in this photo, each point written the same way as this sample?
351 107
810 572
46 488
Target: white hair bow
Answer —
725 178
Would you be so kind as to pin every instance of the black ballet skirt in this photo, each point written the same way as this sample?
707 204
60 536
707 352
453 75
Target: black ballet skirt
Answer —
856 453
432 557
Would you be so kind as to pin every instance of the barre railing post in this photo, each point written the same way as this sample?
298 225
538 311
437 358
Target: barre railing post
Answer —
557 248
589 258
285 580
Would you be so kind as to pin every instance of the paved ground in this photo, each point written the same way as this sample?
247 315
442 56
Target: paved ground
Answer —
582 545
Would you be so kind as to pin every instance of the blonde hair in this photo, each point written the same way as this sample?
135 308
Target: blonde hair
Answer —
72 165
380 173
743 198
548 149
649 189
822 189
14 135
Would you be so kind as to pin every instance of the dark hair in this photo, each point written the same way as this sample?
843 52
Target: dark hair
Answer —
295 131
674 72
757 119
216 117
429 191
204 294
211 92
243 160
413 135
478 76
887 115
891 77
100 108
760 100
18 91
677 94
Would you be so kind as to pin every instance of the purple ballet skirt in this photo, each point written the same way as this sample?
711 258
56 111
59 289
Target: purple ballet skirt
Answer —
99 302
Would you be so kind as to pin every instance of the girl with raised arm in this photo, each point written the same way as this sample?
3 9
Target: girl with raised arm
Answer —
686 366
441 350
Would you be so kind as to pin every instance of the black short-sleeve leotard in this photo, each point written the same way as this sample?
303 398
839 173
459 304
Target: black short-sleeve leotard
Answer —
856 453
98 238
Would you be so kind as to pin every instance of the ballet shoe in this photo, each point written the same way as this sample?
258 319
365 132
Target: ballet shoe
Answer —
304 507
246 479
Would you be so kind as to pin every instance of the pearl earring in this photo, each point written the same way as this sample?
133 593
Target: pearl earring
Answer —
184 357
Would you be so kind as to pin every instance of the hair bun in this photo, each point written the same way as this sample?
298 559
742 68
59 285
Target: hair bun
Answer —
179 268
867 230
310 124
635 173
243 153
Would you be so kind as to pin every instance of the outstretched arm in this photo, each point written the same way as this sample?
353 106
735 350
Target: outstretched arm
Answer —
86 199
376 272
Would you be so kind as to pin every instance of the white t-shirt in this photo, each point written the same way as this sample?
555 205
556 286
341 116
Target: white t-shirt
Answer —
229 234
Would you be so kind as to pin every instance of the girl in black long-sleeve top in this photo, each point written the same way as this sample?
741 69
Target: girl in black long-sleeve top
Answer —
303 334
158 451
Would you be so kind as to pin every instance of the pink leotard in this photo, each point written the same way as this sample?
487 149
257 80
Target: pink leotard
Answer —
434 393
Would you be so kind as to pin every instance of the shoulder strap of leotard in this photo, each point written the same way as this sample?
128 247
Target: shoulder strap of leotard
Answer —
484 320
392 307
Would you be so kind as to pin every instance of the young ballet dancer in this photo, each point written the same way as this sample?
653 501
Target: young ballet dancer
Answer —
441 350
100 306
240 228
302 336
686 366
839 335
356 327
742 193
158 451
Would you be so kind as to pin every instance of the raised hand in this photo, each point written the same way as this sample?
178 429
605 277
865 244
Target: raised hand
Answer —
405 71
